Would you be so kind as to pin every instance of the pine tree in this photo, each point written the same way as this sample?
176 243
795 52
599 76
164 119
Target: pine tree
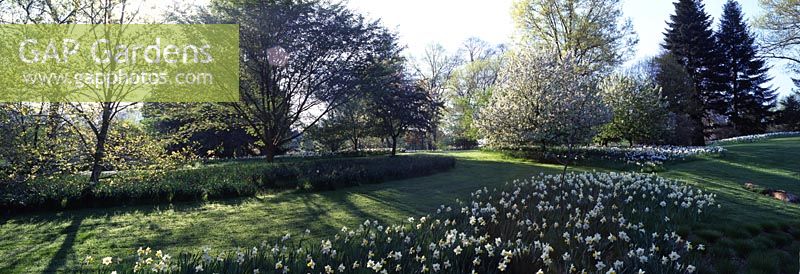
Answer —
790 109
690 39
745 74
790 112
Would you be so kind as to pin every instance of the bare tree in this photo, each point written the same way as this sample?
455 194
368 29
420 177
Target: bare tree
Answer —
781 22
99 117
434 69
592 32
475 49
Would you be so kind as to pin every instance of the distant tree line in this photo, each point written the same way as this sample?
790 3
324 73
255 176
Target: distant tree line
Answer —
305 65
316 76
707 83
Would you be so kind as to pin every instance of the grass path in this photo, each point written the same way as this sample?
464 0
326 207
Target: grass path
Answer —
748 224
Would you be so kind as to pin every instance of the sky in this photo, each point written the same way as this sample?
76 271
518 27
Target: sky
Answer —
450 22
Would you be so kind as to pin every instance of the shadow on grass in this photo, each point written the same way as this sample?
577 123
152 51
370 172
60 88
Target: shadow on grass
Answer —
106 213
59 259
738 204
243 221
725 173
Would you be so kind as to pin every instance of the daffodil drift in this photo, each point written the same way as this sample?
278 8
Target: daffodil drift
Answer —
585 223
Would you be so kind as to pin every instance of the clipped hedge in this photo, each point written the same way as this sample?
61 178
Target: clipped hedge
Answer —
213 182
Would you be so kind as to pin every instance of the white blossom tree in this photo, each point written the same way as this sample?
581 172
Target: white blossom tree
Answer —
543 102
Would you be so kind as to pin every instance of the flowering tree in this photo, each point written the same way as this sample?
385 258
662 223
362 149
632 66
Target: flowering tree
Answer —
32 133
543 102
54 118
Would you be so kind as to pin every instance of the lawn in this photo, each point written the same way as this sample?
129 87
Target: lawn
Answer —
48 242
751 233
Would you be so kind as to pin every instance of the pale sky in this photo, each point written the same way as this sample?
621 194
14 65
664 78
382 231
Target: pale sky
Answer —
450 22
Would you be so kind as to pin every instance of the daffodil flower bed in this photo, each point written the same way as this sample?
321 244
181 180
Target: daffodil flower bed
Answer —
643 156
652 156
754 138
582 223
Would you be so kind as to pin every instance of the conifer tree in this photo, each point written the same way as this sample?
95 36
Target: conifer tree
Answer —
745 74
690 39
790 109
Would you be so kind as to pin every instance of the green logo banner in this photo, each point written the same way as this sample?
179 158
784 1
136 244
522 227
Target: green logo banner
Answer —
119 63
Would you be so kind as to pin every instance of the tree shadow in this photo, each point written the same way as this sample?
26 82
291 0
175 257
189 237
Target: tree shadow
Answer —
38 217
740 205
387 202
725 171
59 259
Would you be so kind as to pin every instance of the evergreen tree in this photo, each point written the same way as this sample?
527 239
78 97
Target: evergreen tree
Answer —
745 74
790 110
690 40
679 93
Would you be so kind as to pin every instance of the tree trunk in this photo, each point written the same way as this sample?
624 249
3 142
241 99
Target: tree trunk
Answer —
698 135
100 148
97 167
36 127
569 157
270 149
355 144
394 145
53 120
435 137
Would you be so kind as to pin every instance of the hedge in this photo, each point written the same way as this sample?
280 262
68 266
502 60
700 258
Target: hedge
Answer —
214 182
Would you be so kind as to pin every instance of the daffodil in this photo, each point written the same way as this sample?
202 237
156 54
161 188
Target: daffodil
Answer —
107 260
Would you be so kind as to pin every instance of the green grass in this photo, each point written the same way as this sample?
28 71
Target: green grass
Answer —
47 242
756 234
746 226
772 164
